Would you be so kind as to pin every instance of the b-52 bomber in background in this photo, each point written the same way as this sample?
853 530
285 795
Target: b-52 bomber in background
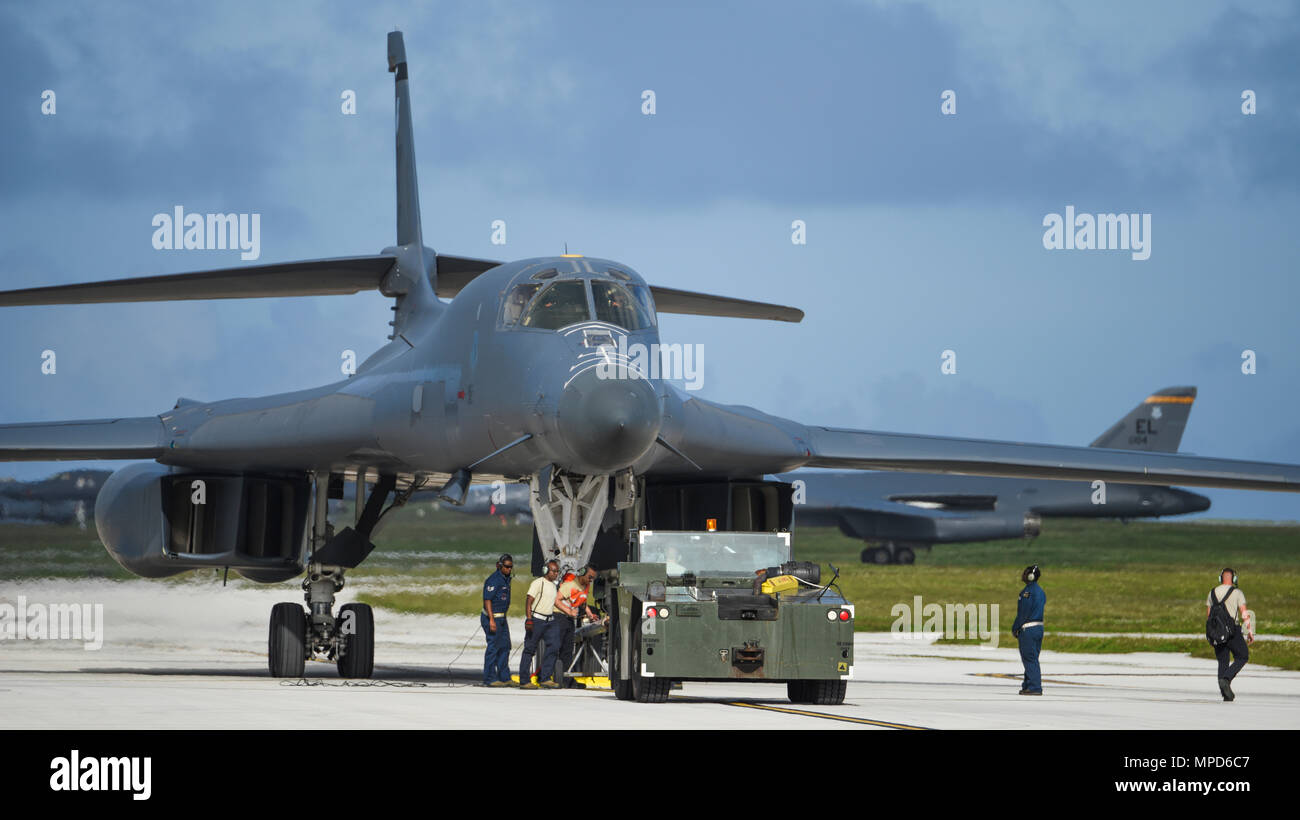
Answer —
517 376
897 514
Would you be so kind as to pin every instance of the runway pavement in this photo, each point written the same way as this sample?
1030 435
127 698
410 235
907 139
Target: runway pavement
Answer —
192 655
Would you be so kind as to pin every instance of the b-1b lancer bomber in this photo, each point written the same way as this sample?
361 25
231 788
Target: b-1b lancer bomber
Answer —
493 371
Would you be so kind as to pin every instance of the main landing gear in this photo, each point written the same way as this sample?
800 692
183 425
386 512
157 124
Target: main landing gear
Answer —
348 638
888 553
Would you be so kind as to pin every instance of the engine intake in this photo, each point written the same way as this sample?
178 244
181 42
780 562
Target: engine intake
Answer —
157 523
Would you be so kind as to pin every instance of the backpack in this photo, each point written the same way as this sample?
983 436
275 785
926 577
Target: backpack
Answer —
1220 625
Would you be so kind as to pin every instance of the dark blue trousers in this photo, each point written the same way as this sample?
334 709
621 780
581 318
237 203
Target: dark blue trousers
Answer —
496 660
1031 642
548 632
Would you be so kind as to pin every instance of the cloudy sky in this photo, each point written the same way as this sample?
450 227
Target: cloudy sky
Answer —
924 230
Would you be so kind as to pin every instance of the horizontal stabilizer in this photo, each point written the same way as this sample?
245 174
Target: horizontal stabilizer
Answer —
349 274
671 300
317 277
82 440
455 272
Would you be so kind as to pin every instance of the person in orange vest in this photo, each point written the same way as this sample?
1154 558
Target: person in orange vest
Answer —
571 602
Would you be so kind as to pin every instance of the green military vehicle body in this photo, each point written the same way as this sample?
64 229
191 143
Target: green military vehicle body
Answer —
691 606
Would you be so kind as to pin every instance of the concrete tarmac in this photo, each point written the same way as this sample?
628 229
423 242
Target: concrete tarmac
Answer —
191 655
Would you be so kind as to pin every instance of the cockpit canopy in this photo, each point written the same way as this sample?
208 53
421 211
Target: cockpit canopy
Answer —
563 302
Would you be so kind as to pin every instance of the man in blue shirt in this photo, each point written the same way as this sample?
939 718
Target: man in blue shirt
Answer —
496 601
1028 628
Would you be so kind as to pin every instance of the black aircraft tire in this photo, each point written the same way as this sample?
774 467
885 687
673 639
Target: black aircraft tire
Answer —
286 649
646 690
880 556
358 658
826 692
905 556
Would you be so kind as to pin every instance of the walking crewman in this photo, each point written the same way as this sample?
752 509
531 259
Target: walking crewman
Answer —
541 624
1223 607
1028 629
496 601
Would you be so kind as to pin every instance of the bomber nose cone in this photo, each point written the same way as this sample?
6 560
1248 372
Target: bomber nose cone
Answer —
608 422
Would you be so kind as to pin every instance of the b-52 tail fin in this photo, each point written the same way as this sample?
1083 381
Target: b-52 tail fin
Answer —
1156 425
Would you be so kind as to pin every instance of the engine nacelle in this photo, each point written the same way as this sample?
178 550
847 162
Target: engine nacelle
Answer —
155 522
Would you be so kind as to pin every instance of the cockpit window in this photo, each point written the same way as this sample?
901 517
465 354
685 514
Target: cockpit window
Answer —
647 301
518 300
616 304
560 305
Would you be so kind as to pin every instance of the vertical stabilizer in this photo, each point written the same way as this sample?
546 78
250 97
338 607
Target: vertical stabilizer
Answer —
412 277
1156 425
408 190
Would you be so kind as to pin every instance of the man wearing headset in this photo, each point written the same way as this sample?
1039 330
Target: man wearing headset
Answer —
1231 599
1028 628
496 600
571 602
541 623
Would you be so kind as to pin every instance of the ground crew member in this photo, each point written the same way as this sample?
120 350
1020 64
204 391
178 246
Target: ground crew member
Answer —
541 624
496 601
1028 629
1231 599
572 603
